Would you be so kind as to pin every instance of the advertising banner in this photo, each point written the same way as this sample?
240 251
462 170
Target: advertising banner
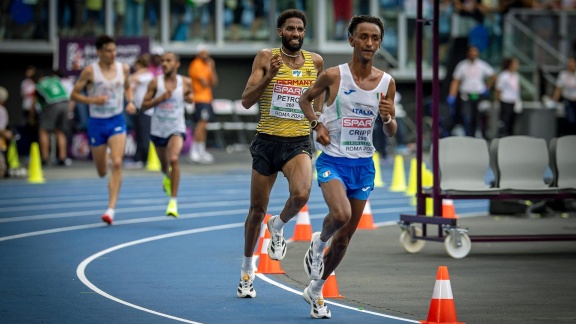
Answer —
76 53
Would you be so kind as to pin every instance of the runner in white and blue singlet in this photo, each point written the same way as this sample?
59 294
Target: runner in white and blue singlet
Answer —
106 82
167 94
356 94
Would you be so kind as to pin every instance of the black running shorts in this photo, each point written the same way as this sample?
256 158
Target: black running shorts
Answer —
270 153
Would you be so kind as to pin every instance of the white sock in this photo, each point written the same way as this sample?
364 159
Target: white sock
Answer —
173 199
319 245
247 265
195 147
201 147
110 212
316 286
278 224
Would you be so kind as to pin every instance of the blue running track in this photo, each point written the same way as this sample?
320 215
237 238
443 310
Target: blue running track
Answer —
60 264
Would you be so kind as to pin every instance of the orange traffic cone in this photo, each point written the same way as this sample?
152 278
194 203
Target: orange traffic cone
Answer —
330 289
442 310
303 228
366 221
448 210
265 264
263 231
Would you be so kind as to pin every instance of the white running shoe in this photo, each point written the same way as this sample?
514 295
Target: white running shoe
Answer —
318 308
277 245
245 288
195 156
314 262
206 158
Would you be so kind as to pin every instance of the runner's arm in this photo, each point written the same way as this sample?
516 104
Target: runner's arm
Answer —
84 79
319 66
259 78
128 93
149 101
188 92
387 106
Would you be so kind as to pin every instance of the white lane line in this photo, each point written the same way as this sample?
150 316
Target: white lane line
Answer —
192 191
209 203
31 205
125 201
117 223
277 284
50 231
81 269
194 215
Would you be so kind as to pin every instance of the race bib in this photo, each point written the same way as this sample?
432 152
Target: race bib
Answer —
111 103
285 100
356 134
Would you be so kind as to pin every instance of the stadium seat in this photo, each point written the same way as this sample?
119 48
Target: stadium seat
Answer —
563 162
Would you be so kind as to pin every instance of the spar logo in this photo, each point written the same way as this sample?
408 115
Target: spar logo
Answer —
357 122
287 89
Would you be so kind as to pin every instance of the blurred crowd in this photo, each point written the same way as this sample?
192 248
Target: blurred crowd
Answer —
481 21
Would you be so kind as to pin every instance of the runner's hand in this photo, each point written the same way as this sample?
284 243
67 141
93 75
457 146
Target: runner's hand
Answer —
385 107
189 97
275 64
99 100
131 108
322 135
166 95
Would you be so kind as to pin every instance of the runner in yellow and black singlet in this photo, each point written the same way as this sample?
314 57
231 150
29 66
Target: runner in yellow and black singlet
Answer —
282 143
280 113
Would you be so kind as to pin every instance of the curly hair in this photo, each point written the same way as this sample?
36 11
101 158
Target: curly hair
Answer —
290 13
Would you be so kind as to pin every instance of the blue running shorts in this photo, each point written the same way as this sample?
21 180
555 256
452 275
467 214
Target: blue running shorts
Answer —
101 129
357 175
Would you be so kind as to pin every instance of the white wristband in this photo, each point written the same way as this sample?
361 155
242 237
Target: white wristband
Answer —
388 121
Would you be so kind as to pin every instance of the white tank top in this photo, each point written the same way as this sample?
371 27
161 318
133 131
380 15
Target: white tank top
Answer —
141 82
113 89
168 117
350 118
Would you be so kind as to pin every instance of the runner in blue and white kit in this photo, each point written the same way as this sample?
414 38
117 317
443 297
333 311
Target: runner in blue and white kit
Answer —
167 94
356 93
107 84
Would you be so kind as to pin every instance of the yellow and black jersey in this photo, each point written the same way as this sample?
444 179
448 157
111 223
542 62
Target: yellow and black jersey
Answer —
280 113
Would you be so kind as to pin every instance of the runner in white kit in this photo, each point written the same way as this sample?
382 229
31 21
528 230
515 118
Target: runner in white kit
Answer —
167 94
356 94
107 83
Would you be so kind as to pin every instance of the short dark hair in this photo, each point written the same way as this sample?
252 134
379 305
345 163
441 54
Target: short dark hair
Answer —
356 20
176 56
470 47
506 63
103 40
290 13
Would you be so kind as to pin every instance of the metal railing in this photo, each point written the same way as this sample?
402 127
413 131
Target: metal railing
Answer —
539 40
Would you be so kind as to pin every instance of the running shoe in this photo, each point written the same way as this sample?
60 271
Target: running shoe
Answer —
314 262
206 158
277 245
167 186
195 156
318 308
172 209
107 219
245 287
